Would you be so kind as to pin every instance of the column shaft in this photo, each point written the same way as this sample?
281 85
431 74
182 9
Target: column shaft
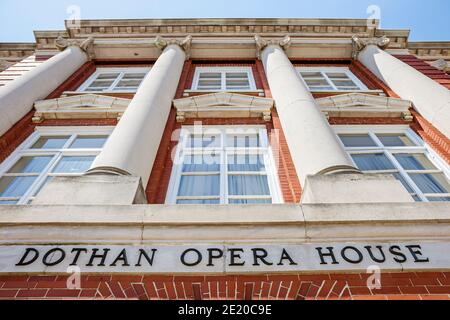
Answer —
132 147
430 99
17 97
313 145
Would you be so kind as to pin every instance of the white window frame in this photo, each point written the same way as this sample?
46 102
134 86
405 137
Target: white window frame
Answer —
323 70
420 148
121 71
223 71
25 150
265 150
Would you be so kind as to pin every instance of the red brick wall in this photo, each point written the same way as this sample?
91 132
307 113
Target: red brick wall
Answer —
394 286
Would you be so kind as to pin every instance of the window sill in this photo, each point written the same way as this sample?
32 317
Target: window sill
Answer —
189 93
328 92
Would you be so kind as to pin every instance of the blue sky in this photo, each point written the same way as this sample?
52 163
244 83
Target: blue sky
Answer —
428 20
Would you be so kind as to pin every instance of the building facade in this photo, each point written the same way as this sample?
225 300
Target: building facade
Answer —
224 159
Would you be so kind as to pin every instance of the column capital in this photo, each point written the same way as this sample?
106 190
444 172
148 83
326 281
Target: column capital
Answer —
86 45
359 44
184 44
261 43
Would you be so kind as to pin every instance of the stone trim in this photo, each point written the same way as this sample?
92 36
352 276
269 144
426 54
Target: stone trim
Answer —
80 107
223 105
365 105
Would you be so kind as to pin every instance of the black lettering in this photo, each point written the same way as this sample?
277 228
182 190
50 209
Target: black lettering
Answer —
285 256
260 254
329 254
50 254
23 261
192 264
143 253
235 255
396 251
77 255
372 256
346 258
121 257
94 256
218 255
416 252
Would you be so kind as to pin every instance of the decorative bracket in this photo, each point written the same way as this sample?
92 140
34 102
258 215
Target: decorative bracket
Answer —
185 44
441 64
86 45
261 43
359 44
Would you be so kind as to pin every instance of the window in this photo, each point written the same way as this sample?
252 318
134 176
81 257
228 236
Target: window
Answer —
400 152
115 80
224 165
48 153
224 79
330 79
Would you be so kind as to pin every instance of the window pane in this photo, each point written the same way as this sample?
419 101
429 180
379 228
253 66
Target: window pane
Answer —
134 76
209 201
199 186
101 84
431 183
250 201
53 142
344 83
109 76
400 178
243 141
7 202
31 164
74 164
395 140
248 185
241 162
414 161
440 199
11 187
307 75
316 82
370 162
210 75
337 75
203 141
89 142
201 163
357 140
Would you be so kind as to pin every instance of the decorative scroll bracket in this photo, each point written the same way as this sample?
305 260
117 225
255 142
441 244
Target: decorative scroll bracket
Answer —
185 44
359 44
261 43
86 45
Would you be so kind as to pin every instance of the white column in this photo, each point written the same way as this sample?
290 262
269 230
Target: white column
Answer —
430 99
18 96
133 145
312 143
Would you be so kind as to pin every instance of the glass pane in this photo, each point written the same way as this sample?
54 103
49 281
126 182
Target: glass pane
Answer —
241 162
400 178
74 164
209 201
53 142
129 83
201 163
312 88
307 75
395 140
243 141
440 199
414 161
250 201
357 140
89 142
199 186
203 141
31 164
210 75
135 76
315 83
370 162
344 83
108 76
7 202
101 84
248 185
12 187
337 75
431 183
